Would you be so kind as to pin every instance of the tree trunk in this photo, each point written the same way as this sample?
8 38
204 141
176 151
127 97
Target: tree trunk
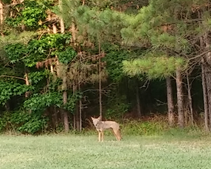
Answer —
61 19
1 16
170 102
76 116
208 89
27 83
180 98
100 82
65 114
80 115
207 78
205 94
138 101
64 80
190 105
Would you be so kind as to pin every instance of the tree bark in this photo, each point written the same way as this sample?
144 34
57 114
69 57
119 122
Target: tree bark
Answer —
61 19
1 17
204 86
180 98
100 81
27 83
65 114
138 101
80 115
170 102
64 79
190 105
207 78
76 116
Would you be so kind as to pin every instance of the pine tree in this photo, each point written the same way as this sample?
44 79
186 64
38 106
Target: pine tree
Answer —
171 29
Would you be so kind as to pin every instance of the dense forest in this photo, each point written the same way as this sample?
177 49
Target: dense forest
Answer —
63 61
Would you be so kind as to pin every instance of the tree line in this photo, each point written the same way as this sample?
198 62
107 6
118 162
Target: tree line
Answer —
65 60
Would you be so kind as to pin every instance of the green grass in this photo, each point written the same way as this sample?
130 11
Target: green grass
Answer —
85 152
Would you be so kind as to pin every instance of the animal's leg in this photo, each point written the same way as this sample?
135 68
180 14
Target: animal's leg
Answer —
99 136
102 135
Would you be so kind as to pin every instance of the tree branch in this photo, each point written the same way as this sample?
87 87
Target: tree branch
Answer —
15 77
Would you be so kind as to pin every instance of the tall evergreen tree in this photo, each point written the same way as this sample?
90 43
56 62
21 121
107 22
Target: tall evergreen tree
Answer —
172 28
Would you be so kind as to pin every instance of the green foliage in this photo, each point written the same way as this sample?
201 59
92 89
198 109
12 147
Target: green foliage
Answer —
188 132
114 65
6 1
23 122
15 52
39 49
66 10
166 40
117 107
47 45
30 14
33 124
10 89
39 102
5 121
143 128
101 4
67 55
17 38
35 77
72 99
102 25
154 67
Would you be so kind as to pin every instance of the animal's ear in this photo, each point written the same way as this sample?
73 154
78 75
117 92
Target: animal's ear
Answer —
99 118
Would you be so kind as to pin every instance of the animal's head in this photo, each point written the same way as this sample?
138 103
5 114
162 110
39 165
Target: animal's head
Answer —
96 120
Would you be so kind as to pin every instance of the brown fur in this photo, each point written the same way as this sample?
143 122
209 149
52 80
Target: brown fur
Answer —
103 125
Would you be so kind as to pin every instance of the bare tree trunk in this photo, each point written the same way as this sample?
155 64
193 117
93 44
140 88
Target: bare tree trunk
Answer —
62 25
207 73
180 98
64 79
61 19
205 94
80 115
190 105
1 17
76 118
100 81
208 85
54 28
138 101
170 102
27 83
65 114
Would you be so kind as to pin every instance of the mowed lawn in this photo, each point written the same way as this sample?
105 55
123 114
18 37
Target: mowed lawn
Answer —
85 152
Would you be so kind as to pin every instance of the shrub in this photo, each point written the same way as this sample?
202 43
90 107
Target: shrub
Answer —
23 122
142 127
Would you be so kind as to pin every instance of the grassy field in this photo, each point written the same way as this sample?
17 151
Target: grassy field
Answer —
85 152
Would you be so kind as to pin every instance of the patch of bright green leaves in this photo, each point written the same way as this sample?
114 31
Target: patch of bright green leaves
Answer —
9 89
39 102
24 122
38 50
29 13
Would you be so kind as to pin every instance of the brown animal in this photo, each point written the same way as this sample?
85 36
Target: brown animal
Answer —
103 125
